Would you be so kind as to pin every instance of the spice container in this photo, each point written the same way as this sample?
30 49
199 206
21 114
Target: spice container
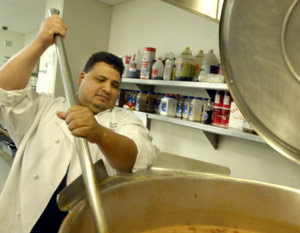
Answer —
148 57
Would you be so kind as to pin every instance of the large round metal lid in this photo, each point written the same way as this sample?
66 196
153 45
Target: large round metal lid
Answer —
260 52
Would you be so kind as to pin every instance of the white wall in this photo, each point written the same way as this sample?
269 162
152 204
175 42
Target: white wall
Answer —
152 23
29 37
88 24
137 24
17 40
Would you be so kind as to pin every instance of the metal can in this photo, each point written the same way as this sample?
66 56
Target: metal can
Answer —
225 118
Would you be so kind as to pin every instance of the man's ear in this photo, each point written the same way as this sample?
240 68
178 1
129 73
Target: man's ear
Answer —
80 78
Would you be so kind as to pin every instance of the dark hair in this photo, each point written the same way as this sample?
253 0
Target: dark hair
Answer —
106 57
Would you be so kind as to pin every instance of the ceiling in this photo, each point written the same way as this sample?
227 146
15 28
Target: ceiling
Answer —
22 15
26 15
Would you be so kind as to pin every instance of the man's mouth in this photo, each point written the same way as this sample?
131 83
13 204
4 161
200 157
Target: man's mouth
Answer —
103 98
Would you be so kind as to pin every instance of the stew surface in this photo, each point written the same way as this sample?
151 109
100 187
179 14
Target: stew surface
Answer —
196 229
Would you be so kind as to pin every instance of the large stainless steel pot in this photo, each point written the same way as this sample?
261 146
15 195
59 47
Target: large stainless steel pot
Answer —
259 43
163 198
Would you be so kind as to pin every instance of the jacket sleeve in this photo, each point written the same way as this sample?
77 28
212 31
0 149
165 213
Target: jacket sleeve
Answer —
132 127
17 111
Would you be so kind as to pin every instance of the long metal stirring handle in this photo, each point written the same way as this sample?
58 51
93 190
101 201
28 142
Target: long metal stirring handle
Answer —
88 173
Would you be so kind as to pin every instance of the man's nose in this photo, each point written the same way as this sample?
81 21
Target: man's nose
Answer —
107 87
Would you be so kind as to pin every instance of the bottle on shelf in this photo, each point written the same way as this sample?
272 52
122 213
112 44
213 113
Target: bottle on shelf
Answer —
157 102
210 63
169 67
195 109
135 65
179 108
147 61
126 61
208 112
186 108
150 104
219 96
158 69
184 66
141 101
227 100
168 105
198 62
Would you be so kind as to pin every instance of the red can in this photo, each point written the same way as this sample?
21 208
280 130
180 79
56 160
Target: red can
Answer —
227 100
217 116
224 118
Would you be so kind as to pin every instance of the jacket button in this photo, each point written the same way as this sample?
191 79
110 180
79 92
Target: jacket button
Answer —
18 213
57 141
35 176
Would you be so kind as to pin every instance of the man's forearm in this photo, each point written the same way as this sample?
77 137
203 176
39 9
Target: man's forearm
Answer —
15 74
120 151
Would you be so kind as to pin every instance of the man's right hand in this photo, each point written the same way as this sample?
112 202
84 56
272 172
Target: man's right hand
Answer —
50 27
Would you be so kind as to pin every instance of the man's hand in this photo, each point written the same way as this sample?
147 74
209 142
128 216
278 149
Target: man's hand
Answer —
50 27
82 123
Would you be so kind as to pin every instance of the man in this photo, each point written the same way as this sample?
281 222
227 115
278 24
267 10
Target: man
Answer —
42 127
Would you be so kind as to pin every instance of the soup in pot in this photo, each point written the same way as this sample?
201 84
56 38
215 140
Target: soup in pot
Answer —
196 229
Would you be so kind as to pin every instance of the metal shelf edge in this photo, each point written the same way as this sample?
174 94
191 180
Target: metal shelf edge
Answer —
207 128
201 85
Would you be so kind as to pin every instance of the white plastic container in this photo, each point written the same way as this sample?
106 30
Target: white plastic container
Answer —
168 72
210 63
168 106
158 69
148 57
184 66
196 109
198 62
135 65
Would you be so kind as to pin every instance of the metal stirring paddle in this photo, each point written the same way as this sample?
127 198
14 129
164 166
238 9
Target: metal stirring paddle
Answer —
89 177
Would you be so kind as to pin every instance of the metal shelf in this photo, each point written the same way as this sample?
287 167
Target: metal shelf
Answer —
199 85
211 132
207 128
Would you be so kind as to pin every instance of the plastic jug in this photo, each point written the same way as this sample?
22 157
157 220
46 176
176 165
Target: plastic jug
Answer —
210 63
158 69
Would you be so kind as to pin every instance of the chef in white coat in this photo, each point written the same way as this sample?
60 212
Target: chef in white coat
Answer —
43 127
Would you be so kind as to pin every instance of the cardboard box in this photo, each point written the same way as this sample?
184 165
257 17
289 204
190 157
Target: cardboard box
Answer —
236 118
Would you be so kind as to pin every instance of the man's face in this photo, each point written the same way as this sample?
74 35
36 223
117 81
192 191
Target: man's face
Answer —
98 89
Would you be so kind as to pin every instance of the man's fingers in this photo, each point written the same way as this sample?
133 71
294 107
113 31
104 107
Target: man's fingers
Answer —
61 115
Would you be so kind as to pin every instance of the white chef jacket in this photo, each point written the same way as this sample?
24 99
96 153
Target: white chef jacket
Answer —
45 150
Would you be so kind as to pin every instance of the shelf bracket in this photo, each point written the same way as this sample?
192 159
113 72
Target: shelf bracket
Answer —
212 138
145 87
